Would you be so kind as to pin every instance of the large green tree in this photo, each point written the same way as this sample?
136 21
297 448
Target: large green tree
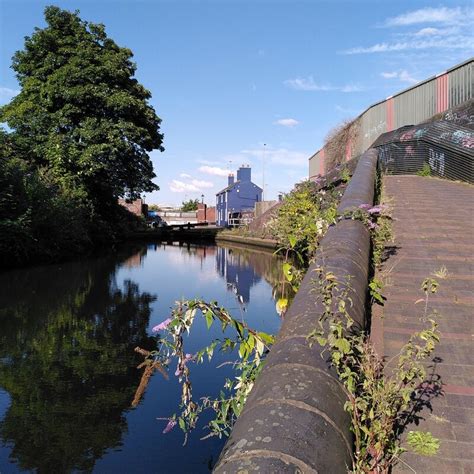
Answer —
81 113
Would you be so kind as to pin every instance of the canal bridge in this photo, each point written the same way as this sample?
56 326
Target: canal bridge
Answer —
294 419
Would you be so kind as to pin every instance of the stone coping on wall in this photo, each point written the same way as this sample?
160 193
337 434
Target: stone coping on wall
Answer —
250 241
294 419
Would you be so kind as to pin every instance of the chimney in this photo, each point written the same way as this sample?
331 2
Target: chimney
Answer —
230 179
244 173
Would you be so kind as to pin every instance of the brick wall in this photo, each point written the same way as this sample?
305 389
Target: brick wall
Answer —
137 207
206 214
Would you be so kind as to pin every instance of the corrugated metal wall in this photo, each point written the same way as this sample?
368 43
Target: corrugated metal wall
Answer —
461 85
415 105
409 107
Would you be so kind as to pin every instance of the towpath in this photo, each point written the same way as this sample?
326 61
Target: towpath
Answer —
434 232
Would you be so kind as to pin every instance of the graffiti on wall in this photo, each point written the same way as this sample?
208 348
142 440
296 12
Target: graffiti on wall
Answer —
377 130
436 161
464 138
413 134
463 117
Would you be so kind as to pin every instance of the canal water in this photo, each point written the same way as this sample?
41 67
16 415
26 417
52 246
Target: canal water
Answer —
68 369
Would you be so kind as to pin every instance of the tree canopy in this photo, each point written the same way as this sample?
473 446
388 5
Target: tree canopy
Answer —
190 205
81 114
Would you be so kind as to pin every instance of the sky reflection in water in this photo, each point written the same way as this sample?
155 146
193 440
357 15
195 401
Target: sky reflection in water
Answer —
67 366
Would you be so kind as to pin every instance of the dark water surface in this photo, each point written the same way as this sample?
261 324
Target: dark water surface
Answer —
68 370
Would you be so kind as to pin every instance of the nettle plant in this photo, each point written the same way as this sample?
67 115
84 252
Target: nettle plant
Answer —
252 347
383 397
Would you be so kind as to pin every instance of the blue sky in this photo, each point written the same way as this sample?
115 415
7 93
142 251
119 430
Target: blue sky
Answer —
228 76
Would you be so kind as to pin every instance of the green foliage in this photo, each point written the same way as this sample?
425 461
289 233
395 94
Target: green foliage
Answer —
423 443
378 220
80 112
303 219
425 171
66 334
381 234
38 220
82 128
251 346
190 205
375 291
382 399
345 175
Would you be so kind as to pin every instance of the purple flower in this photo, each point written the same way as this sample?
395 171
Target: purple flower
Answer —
182 364
372 225
162 325
376 209
365 206
171 424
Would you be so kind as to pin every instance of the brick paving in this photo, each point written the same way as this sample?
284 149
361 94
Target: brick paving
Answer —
434 227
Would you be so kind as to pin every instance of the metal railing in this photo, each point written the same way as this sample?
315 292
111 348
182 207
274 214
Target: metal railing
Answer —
408 107
438 149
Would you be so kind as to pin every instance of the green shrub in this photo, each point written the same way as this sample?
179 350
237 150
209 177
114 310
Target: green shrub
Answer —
303 219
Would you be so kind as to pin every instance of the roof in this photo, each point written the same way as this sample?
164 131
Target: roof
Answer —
228 188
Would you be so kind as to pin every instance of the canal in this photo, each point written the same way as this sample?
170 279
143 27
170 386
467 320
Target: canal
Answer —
68 369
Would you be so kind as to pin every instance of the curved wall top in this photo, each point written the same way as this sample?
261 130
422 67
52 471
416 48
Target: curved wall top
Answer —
408 107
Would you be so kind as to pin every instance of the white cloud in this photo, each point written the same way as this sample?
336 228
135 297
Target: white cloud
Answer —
402 75
194 185
288 122
441 15
389 75
436 32
185 175
406 34
213 170
202 184
308 84
6 94
351 88
405 76
454 42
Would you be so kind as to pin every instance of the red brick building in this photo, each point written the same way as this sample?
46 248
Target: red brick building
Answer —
206 214
137 207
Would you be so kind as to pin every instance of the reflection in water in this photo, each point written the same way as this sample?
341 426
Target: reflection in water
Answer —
238 273
67 360
243 268
66 336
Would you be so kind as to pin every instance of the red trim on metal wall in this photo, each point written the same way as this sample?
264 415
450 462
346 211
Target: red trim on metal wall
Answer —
442 93
348 149
321 163
390 114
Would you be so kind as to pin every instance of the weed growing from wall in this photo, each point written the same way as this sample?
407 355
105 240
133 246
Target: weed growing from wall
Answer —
425 171
251 346
383 397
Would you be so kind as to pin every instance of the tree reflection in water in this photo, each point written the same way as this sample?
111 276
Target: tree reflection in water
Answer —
67 359
67 334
